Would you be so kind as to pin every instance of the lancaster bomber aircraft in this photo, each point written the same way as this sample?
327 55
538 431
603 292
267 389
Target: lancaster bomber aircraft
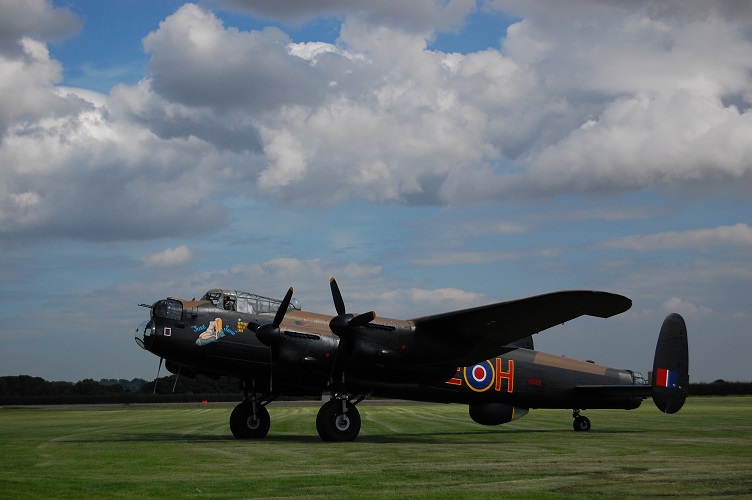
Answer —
482 357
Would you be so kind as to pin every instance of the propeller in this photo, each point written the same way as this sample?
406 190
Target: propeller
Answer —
345 325
271 336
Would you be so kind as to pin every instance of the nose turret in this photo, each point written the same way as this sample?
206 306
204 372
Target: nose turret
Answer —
145 334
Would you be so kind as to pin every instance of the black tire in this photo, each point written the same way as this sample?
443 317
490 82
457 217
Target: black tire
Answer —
581 424
243 424
334 425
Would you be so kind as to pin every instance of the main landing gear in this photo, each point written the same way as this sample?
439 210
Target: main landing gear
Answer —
339 419
580 424
250 419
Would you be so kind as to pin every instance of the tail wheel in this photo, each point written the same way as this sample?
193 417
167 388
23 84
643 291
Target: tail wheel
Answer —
338 420
249 423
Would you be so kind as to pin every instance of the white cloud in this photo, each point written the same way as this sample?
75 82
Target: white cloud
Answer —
196 61
168 257
34 19
310 51
684 307
651 93
738 235
671 140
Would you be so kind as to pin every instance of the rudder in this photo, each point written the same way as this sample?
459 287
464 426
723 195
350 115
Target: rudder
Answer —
671 365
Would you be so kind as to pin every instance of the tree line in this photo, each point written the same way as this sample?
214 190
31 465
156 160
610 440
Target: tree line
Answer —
24 389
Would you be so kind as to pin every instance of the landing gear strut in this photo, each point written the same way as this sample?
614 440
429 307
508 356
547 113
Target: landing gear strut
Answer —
338 419
250 419
581 423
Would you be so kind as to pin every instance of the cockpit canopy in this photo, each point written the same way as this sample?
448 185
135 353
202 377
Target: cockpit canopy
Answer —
234 300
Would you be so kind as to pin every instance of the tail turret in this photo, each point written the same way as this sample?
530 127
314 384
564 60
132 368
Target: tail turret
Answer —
670 379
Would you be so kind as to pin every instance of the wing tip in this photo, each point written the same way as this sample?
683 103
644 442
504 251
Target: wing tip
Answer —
609 304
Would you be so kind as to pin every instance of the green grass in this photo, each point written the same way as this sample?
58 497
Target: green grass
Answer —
414 450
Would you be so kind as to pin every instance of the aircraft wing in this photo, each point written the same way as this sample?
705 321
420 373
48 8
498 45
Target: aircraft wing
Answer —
481 333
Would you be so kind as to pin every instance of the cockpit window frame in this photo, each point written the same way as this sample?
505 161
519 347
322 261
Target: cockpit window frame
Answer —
245 302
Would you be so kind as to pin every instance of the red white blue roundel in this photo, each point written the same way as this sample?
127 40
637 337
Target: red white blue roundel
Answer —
480 377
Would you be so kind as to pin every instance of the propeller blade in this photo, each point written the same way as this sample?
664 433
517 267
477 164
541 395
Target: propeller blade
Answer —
339 304
282 309
362 319
269 333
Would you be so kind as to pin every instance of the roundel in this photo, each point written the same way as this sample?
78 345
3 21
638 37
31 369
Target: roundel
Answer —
480 377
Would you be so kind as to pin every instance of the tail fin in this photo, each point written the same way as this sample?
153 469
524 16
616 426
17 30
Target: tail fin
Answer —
671 365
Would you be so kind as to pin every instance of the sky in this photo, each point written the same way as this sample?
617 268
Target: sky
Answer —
432 155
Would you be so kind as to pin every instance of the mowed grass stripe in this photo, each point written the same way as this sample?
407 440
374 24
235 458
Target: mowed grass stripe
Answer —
411 450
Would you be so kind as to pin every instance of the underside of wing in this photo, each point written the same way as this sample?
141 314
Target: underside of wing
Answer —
480 333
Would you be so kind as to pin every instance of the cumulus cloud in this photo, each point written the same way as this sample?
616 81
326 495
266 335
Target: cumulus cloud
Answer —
662 99
35 20
578 98
196 61
168 257
76 165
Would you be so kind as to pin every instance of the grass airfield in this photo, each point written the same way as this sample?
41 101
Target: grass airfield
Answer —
404 450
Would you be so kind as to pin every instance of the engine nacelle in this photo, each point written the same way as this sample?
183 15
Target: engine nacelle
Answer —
495 413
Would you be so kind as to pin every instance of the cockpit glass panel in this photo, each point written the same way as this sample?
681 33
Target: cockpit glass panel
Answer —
245 302
168 309
214 296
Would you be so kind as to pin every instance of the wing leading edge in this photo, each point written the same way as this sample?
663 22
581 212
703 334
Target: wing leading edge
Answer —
484 331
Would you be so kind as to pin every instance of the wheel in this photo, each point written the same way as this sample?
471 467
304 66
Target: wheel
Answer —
581 424
244 425
335 425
